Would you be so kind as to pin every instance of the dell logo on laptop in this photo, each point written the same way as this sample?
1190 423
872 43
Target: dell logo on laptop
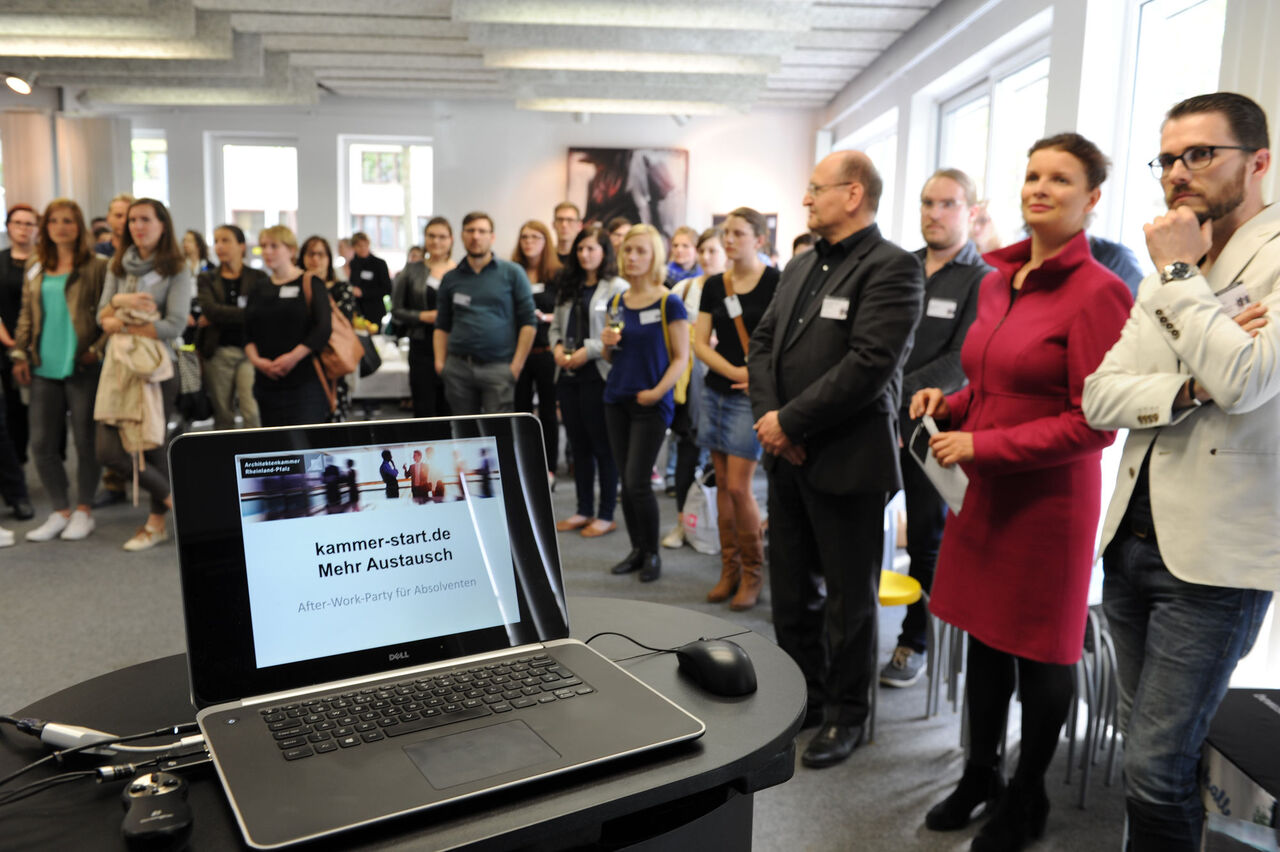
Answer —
398 655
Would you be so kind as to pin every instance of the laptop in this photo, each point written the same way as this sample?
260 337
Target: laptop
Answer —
376 623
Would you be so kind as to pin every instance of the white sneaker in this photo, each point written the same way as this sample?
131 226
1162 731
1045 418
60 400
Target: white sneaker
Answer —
78 527
48 531
675 538
146 538
6 537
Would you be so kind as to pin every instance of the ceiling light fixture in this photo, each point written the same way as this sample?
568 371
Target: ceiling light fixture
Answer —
17 83
625 107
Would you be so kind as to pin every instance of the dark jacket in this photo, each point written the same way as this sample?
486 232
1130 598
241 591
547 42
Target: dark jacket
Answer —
211 294
836 383
371 276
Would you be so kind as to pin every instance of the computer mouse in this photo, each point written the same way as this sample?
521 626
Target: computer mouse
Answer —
719 666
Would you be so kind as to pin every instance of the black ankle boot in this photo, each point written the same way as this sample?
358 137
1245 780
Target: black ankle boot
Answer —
630 563
650 567
1018 820
979 784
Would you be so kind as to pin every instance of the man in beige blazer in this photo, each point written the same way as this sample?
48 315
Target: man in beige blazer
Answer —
1192 536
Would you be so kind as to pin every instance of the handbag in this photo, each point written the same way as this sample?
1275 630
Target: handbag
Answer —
341 355
699 517
370 361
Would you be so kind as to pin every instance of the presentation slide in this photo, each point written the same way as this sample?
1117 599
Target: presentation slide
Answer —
365 547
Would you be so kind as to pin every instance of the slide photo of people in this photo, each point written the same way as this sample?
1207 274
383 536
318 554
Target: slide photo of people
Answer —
362 479
642 185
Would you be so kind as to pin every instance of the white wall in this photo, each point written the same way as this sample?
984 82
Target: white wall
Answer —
509 163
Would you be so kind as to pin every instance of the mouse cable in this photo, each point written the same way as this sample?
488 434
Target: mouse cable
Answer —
39 786
59 756
629 639
113 772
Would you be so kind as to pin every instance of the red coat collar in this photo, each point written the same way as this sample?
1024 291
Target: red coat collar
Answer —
1010 259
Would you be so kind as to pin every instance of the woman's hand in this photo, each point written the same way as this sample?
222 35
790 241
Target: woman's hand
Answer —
22 372
649 397
203 322
112 325
951 448
929 401
610 336
740 378
141 302
578 359
90 357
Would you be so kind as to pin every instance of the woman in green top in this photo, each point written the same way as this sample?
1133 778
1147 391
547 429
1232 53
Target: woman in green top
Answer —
58 353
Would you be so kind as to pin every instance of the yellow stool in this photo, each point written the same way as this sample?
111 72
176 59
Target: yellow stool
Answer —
898 590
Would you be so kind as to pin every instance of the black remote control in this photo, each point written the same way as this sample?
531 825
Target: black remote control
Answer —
157 816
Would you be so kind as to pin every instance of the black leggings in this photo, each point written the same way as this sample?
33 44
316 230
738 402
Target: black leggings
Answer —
1047 690
635 436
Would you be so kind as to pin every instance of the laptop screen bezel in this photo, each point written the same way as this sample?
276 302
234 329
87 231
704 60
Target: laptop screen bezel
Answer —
210 544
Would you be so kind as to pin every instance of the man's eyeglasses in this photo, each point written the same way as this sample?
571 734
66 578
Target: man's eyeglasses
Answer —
813 189
1195 158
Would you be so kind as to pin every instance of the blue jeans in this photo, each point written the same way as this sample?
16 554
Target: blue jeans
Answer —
1177 644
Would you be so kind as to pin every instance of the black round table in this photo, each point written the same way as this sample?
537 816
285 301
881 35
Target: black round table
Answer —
694 796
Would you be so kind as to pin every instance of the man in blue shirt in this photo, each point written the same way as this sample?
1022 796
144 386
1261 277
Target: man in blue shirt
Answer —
484 326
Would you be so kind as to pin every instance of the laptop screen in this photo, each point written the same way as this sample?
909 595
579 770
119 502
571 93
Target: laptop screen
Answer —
318 553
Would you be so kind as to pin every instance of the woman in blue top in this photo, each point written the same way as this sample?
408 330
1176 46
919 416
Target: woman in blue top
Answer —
647 342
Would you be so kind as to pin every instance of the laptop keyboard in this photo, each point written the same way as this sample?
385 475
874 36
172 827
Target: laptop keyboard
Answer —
350 719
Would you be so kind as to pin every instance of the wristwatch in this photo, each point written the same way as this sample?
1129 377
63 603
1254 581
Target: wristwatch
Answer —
1178 271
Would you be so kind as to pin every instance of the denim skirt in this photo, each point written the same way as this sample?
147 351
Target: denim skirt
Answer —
725 424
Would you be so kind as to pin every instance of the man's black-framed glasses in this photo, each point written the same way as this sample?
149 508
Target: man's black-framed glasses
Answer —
1195 158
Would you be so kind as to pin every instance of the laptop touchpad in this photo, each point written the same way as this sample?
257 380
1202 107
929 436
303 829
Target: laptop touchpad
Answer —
481 753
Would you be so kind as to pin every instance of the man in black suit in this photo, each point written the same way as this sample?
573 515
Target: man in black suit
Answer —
825 369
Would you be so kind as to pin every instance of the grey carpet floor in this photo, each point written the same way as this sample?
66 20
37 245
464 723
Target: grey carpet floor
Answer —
73 610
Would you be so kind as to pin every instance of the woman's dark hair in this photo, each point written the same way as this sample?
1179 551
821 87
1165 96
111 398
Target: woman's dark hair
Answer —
47 251
302 254
236 234
615 223
202 248
573 276
753 217
168 258
1094 161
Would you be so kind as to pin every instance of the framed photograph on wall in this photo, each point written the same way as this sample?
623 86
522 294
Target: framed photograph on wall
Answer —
644 185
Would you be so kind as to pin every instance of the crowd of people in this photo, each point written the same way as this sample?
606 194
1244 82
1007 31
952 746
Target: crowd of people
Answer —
1026 357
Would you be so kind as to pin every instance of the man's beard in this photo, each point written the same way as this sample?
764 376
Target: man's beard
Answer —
477 254
1221 206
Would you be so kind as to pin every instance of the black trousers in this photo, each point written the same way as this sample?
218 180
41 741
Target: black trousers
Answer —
926 516
540 373
291 405
824 586
424 385
635 434
16 418
13 483
582 406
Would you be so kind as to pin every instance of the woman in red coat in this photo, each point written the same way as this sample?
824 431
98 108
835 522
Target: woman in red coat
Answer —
1014 566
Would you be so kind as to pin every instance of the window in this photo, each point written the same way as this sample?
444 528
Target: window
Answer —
150 165
387 184
1165 28
3 206
878 139
256 185
986 131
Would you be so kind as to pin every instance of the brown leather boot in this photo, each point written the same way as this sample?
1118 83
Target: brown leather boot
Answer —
730 565
751 552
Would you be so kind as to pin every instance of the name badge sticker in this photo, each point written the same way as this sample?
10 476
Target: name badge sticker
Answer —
835 307
537 289
732 307
242 301
1234 299
149 280
651 316
941 308
33 272
366 274
600 306
289 291
462 300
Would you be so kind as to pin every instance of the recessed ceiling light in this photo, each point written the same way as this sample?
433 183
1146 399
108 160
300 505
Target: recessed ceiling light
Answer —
18 84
